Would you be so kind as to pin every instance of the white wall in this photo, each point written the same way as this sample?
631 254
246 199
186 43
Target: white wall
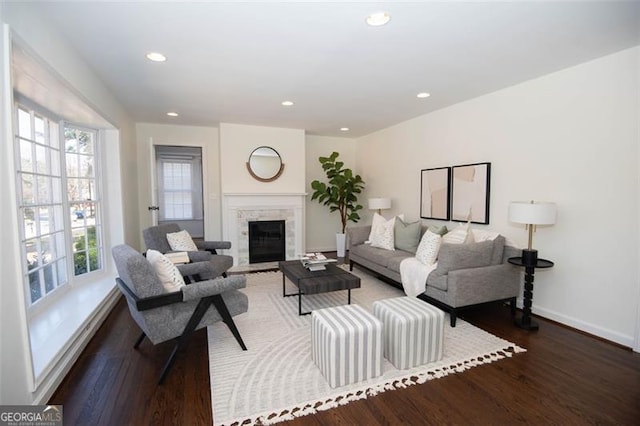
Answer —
26 23
571 137
237 141
164 134
322 225
14 342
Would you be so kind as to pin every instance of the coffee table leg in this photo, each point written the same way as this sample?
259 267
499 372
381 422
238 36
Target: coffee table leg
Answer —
299 303
348 296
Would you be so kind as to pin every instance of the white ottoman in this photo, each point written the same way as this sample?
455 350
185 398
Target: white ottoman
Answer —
346 344
413 331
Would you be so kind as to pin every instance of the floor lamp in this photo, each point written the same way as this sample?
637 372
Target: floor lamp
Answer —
531 214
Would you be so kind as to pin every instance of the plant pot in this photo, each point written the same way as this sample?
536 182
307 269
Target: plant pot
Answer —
340 244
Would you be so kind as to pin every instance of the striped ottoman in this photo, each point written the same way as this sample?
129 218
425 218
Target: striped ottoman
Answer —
413 331
346 344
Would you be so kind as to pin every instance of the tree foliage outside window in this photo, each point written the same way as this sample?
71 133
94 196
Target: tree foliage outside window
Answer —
86 256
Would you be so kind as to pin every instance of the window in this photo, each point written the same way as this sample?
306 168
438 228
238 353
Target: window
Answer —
176 189
179 180
82 196
58 201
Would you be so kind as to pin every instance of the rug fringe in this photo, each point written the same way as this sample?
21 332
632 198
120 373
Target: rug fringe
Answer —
411 379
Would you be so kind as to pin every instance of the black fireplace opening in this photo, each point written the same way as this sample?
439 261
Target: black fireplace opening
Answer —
266 241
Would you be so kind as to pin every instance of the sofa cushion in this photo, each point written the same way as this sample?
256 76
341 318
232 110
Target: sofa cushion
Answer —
438 281
438 229
480 235
378 221
407 235
427 252
396 258
166 271
372 254
382 234
463 256
458 235
181 241
498 250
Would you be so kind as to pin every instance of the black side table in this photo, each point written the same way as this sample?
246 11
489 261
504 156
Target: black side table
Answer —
529 268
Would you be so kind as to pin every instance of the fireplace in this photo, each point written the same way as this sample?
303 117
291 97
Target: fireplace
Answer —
266 241
240 209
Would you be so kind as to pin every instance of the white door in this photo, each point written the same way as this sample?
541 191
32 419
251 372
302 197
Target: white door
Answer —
177 196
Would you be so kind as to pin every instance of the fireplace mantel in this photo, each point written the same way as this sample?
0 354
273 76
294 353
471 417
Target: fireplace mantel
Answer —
239 209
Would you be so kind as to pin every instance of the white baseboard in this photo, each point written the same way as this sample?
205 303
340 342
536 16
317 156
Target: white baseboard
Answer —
595 330
55 374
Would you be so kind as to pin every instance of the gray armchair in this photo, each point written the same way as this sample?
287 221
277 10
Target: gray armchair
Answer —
163 316
155 238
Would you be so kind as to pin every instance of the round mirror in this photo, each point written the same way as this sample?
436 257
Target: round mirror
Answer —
265 164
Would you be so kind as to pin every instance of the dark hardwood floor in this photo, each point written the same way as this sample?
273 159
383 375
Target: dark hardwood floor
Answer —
564 378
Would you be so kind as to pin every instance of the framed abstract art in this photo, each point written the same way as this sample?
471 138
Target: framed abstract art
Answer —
434 193
470 188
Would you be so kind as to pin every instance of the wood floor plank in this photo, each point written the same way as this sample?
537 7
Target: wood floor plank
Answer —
565 377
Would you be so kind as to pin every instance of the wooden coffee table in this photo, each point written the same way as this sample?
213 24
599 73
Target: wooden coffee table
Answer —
315 282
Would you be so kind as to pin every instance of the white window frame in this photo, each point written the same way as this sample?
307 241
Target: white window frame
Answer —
72 280
96 198
166 190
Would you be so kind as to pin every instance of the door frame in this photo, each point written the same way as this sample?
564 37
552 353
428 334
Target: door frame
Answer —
182 154
208 202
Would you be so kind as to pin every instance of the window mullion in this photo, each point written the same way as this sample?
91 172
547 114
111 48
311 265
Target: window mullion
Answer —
66 205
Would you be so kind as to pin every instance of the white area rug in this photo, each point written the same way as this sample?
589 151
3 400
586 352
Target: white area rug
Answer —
276 380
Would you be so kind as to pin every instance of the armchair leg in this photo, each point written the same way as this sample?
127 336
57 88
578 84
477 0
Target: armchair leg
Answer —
195 319
169 363
218 302
512 303
197 315
140 339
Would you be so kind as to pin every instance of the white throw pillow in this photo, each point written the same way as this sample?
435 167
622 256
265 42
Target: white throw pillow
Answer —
166 271
383 237
181 241
480 235
377 222
428 248
459 235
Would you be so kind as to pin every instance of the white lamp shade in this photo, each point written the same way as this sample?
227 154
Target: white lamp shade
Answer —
532 213
379 203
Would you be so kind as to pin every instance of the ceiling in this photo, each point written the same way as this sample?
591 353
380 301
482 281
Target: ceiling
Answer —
236 62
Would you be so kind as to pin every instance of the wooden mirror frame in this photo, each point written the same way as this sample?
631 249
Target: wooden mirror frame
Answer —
262 179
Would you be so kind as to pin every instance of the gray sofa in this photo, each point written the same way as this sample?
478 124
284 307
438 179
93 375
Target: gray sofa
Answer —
467 274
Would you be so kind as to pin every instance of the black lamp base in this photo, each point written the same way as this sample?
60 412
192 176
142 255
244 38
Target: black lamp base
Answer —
526 323
529 257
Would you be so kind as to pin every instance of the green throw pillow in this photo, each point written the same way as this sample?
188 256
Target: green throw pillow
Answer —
407 235
440 230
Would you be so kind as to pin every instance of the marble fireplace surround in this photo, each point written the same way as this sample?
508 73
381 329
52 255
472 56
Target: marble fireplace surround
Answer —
240 209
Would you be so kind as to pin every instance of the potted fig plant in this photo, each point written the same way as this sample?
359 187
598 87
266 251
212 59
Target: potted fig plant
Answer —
340 193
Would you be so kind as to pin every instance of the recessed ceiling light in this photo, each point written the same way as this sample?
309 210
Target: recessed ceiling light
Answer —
423 95
377 19
156 57
344 129
172 114
287 103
